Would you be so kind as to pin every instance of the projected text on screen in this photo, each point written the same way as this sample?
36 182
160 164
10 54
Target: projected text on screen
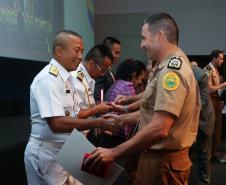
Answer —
27 28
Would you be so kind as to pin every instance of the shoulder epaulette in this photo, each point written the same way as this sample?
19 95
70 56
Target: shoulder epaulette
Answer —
175 63
80 75
208 68
54 71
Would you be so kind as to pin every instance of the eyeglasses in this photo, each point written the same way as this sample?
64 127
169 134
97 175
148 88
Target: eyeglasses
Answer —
102 71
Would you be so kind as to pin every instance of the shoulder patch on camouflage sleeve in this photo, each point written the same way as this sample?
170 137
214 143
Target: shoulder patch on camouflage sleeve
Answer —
175 63
54 71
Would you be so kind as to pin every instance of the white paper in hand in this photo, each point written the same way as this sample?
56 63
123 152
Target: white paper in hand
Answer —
71 158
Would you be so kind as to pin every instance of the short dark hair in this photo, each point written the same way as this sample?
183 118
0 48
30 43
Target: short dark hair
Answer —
127 67
215 53
98 53
60 39
109 41
164 22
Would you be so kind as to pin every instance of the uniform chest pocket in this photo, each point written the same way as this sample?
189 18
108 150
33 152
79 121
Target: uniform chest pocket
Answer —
68 104
68 100
216 79
150 88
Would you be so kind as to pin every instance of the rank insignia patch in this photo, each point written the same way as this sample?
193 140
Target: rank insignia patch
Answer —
54 71
175 63
80 75
170 81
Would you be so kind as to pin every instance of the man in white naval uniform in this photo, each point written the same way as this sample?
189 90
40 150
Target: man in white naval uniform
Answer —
97 62
53 113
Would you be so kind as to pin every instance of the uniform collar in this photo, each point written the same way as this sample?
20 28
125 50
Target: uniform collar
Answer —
62 71
82 68
212 66
165 61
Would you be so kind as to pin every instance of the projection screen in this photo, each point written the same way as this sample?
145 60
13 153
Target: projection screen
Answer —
27 27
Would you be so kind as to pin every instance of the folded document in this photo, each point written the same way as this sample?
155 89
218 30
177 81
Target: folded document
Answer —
71 158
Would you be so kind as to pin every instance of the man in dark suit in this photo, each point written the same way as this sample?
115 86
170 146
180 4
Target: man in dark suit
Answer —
206 127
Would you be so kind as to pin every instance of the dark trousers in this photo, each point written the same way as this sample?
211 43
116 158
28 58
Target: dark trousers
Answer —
217 133
104 140
203 146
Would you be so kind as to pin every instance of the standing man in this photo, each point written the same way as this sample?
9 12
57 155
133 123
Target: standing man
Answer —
53 113
169 111
104 82
115 46
217 59
206 127
96 64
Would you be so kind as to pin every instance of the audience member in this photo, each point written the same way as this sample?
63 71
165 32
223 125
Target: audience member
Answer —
217 59
104 82
97 62
206 127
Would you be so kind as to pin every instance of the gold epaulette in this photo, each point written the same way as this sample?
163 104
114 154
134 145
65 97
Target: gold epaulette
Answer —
208 70
54 71
80 75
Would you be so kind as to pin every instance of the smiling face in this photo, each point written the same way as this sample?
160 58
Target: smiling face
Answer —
149 42
98 70
70 54
219 60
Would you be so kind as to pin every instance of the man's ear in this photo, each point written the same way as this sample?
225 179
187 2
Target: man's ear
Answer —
161 36
58 51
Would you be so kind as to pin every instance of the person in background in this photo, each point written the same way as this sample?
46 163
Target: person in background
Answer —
97 62
169 112
115 46
104 82
132 103
217 59
194 63
129 76
54 109
206 127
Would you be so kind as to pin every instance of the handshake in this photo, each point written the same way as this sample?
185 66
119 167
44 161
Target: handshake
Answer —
111 123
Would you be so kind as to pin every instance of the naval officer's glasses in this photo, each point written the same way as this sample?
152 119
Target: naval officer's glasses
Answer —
102 71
